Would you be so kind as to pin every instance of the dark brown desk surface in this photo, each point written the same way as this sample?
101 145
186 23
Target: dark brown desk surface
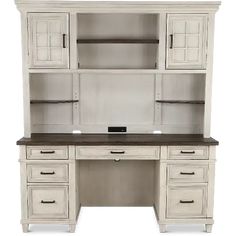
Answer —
117 139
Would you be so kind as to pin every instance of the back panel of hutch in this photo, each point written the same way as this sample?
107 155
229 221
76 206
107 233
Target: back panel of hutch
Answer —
117 109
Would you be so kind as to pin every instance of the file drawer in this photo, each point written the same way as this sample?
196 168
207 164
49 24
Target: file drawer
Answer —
48 202
186 202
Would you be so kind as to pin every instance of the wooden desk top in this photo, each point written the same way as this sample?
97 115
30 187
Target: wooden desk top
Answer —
117 139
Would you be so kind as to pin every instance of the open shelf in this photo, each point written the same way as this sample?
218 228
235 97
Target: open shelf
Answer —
105 41
52 101
118 41
181 101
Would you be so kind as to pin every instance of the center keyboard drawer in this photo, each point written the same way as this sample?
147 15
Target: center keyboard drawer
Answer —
47 173
117 152
48 202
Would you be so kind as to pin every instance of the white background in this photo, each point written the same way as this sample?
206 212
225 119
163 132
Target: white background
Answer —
118 221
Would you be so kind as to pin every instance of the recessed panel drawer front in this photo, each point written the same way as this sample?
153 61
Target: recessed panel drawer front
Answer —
117 152
47 152
186 202
187 173
47 173
188 152
48 202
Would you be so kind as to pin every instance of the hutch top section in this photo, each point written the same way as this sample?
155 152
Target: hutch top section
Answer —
116 6
108 67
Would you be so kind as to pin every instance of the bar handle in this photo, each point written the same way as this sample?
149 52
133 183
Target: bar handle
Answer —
171 41
47 152
64 40
187 152
47 173
187 173
117 152
182 201
48 202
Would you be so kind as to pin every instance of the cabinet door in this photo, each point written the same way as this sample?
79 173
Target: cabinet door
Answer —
48 40
186 41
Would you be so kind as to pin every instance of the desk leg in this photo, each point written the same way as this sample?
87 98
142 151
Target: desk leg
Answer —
162 228
208 228
72 228
25 228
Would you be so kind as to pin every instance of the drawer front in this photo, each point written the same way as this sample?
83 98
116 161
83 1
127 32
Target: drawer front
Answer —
48 202
187 173
47 152
188 152
117 152
47 173
185 202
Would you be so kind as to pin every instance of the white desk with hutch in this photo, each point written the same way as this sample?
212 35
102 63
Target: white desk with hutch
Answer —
117 109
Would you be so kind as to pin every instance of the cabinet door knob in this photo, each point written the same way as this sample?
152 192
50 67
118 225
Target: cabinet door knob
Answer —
48 202
47 173
182 201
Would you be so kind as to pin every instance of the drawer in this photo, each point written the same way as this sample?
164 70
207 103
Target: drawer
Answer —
117 152
47 152
188 152
48 202
47 173
187 201
187 173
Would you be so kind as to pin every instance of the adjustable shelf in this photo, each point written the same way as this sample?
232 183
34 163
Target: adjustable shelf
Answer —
52 101
117 41
181 101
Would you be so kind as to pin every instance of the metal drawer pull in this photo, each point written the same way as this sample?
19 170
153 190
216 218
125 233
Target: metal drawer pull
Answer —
117 152
64 40
187 152
47 152
171 41
187 173
47 173
116 160
182 201
48 202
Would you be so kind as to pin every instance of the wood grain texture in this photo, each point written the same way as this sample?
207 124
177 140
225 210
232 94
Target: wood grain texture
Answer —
117 139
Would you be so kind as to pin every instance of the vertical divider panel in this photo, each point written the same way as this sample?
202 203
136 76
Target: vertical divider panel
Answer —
162 41
163 184
72 186
73 41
